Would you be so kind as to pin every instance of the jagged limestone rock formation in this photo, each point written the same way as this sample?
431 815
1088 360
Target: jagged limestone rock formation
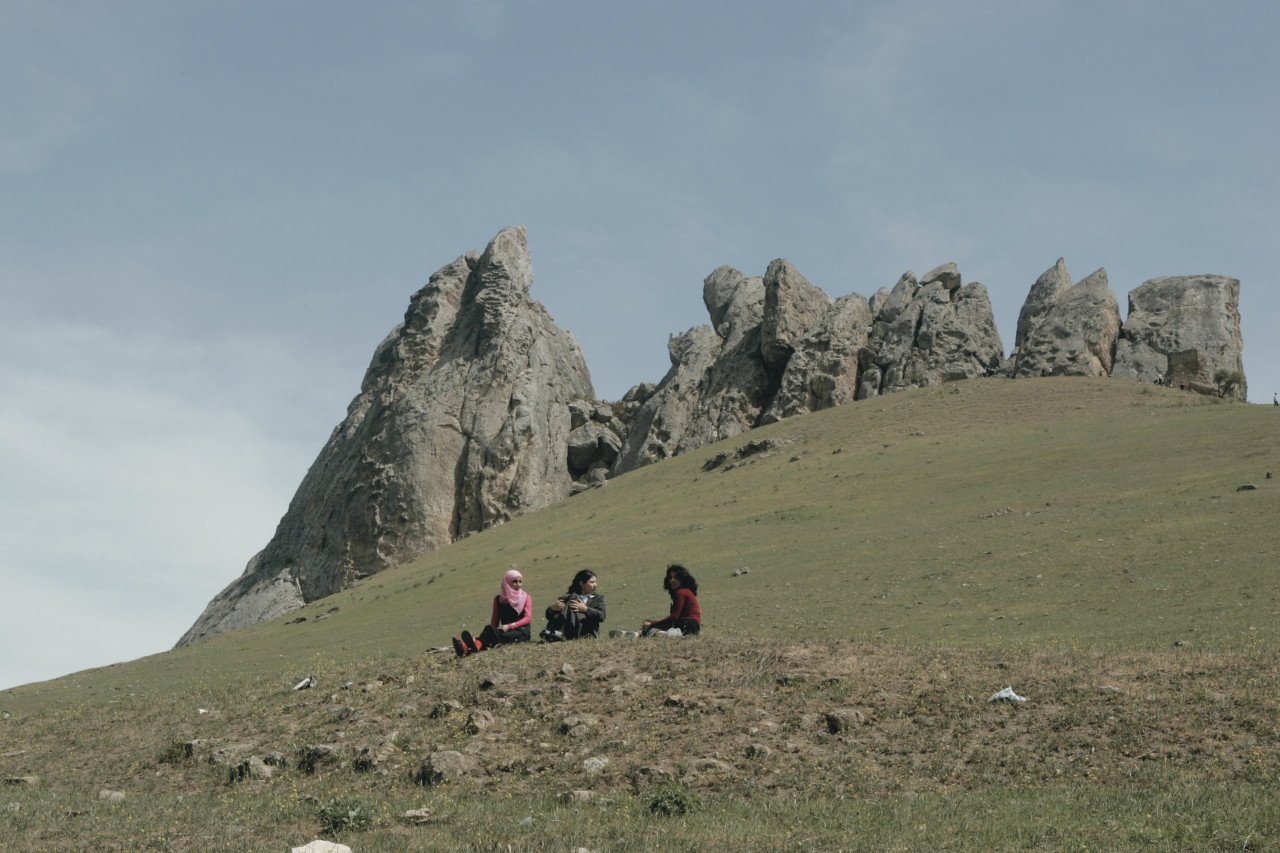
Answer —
792 306
461 422
930 332
1182 330
1065 329
823 370
718 383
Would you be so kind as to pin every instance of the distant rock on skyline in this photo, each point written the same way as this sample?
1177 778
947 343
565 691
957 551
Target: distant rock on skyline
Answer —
478 407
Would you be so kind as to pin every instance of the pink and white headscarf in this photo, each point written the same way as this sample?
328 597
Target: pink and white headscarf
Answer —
511 595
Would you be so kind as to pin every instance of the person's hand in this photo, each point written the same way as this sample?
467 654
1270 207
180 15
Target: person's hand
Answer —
557 605
578 605
502 627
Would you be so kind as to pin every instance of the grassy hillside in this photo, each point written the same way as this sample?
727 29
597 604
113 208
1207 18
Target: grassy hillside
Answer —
1083 540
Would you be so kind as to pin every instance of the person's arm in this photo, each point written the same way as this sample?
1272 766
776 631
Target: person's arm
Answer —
671 617
526 617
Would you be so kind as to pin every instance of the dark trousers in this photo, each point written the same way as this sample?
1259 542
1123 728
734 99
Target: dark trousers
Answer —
686 626
491 636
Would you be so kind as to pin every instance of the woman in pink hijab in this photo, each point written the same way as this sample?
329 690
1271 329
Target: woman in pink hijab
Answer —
512 614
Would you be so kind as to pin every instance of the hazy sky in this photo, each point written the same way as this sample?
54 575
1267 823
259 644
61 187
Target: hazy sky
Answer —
212 212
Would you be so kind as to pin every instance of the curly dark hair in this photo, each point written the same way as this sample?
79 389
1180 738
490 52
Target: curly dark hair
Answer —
579 579
687 580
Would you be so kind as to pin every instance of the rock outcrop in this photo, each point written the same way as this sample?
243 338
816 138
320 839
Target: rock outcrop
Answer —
823 370
1182 331
462 421
1065 329
477 407
929 332
718 383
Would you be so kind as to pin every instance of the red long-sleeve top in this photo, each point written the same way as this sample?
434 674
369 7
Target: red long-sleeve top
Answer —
525 616
684 605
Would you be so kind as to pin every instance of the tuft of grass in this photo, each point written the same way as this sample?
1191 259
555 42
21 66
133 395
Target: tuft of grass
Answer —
339 815
674 801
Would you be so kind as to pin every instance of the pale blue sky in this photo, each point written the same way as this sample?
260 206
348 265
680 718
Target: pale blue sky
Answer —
212 212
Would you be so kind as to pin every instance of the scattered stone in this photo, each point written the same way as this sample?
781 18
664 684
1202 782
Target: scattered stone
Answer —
844 719
498 679
712 765
1006 695
758 750
314 757
376 754
229 754
479 720
1247 487
447 766
445 708
26 781
108 796
275 759
566 668
252 767
306 683
595 766
740 571
651 775
577 796
418 817
321 846
579 725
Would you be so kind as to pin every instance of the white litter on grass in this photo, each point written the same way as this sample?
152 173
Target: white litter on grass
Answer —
202 710
306 683
1006 695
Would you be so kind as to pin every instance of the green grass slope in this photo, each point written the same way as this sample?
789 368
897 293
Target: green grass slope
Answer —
1083 540
1036 512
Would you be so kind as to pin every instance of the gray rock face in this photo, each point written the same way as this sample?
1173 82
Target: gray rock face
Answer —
792 306
1182 330
823 370
718 383
1067 330
928 333
462 421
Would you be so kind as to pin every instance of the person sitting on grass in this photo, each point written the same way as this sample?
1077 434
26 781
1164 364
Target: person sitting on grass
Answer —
685 613
512 615
578 613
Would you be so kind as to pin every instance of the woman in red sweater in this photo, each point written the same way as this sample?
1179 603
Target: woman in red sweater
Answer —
509 623
685 613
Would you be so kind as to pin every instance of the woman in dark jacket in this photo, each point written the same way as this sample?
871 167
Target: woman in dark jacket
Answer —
509 623
685 613
578 613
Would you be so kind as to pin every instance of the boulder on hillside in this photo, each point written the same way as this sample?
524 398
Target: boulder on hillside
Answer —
1067 330
1182 330
462 421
